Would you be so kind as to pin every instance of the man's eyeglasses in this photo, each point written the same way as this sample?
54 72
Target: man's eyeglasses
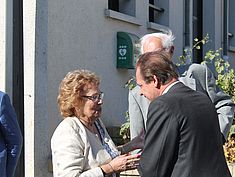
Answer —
96 97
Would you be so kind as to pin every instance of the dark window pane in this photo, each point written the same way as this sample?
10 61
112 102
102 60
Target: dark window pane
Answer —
114 5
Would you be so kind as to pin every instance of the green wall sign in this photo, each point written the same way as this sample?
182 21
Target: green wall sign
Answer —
127 50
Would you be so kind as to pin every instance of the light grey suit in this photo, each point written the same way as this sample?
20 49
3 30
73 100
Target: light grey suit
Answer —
196 76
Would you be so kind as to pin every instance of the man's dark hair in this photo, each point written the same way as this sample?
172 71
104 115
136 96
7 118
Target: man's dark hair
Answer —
157 63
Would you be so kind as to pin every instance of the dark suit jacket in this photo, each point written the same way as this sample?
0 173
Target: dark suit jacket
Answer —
197 77
183 138
10 137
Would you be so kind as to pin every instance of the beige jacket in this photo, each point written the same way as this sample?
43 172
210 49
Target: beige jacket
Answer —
78 152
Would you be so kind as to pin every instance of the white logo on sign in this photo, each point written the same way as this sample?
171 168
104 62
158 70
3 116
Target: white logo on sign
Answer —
122 52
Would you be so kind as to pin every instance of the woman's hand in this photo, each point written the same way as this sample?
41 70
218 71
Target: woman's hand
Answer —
125 162
121 163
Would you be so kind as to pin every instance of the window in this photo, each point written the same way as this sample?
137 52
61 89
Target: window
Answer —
113 5
187 24
123 10
154 11
122 6
158 15
197 28
158 12
193 26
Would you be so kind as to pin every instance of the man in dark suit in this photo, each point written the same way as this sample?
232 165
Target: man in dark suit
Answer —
10 137
196 76
183 137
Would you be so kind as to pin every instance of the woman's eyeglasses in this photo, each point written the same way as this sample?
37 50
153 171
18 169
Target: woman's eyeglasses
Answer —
97 97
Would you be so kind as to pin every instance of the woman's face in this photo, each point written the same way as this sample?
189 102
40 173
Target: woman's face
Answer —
92 107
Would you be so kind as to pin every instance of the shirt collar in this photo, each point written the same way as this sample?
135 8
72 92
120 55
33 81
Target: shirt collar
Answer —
169 86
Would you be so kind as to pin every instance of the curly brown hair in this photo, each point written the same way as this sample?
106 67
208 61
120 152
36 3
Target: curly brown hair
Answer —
75 84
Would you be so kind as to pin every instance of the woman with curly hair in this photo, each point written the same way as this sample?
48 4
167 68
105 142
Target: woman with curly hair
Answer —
80 144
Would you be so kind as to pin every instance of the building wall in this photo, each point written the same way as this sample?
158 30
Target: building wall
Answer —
6 22
231 30
32 144
232 58
2 44
60 36
80 36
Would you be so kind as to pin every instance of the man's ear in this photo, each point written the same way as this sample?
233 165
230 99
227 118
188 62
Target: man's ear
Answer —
172 50
156 82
